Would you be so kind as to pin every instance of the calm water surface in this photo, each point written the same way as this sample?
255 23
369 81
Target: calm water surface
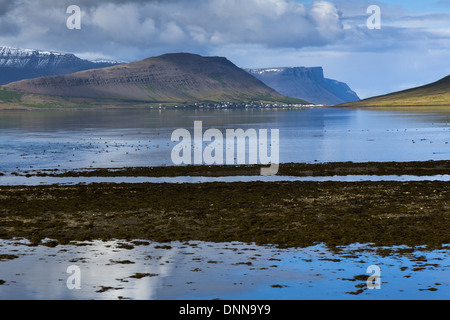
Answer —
113 139
201 270
11 180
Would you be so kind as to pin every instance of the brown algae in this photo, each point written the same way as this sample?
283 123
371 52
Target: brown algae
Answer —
287 214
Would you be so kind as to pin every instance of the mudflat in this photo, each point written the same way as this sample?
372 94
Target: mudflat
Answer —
417 168
286 214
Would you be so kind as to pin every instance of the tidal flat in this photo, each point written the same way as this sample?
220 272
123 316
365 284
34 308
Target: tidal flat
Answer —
285 214
413 168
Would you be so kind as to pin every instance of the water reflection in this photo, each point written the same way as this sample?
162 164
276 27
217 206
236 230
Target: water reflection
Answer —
12 180
115 139
112 139
198 270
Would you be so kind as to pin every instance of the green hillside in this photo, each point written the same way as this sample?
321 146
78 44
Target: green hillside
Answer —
180 78
434 94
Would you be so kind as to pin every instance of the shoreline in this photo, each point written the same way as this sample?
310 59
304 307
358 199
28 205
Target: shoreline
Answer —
414 168
283 214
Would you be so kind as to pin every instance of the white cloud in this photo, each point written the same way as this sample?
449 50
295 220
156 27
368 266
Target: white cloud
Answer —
411 47
327 19
142 24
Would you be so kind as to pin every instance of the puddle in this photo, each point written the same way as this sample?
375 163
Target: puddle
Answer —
201 270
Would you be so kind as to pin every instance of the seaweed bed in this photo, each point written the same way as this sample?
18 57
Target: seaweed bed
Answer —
417 168
286 214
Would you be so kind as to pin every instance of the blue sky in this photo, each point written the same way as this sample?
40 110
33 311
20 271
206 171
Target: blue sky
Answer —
419 6
411 48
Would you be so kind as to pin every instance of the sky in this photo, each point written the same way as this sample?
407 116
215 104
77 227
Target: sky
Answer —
410 48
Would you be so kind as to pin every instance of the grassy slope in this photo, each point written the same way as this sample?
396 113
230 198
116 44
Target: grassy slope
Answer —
172 79
18 100
434 94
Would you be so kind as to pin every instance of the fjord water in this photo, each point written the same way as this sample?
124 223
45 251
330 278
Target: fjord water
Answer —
114 138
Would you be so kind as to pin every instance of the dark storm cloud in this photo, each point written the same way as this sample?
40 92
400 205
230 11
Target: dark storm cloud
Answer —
175 24
411 47
134 29
5 6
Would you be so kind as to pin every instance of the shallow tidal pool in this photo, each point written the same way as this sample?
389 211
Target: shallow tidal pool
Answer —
142 270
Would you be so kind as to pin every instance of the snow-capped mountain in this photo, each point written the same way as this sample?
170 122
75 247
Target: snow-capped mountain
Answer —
18 64
305 83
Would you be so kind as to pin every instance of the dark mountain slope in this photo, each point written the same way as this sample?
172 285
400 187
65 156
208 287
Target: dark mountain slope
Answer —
179 77
305 83
19 64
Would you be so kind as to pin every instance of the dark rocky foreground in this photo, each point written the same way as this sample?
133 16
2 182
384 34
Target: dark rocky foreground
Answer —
288 214
416 168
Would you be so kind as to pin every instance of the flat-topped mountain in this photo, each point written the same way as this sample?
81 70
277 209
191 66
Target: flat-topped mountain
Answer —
17 64
178 77
305 83
434 94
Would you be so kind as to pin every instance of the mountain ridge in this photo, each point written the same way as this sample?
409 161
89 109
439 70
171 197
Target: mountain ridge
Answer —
307 83
172 77
18 64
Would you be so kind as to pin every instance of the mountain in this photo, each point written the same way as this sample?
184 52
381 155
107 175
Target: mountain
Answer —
18 64
178 77
434 94
305 83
